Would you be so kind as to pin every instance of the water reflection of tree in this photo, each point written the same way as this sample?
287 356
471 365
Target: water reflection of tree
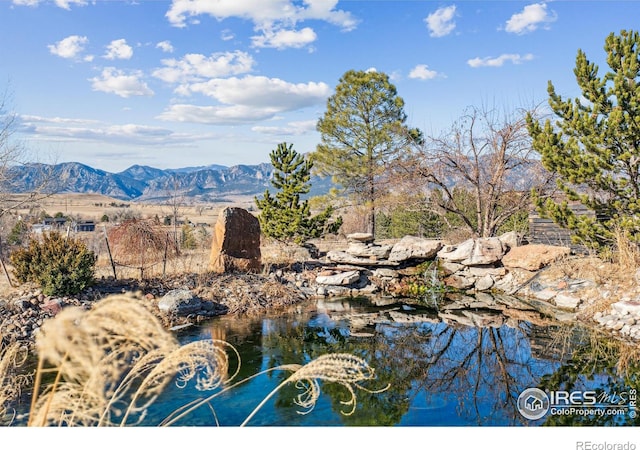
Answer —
610 367
485 368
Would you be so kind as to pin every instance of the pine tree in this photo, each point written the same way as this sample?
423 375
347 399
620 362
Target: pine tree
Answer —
594 146
18 232
284 216
362 132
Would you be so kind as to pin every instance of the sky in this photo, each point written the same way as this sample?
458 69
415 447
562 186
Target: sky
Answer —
183 83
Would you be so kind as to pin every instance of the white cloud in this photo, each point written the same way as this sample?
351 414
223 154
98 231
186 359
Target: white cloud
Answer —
165 46
274 20
196 67
422 72
530 18
268 12
119 49
227 35
440 22
395 76
82 130
291 129
263 92
247 99
26 2
281 39
30 119
215 115
66 4
500 60
70 47
325 10
114 81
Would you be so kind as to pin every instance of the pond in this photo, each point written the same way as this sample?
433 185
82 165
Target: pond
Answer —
477 361
455 366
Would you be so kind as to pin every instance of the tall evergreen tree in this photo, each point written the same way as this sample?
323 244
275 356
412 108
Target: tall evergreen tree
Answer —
285 217
362 131
594 145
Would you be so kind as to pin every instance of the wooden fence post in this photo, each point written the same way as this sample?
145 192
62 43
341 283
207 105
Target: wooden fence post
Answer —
113 265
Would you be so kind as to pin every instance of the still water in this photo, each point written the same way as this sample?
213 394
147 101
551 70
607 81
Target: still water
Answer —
460 367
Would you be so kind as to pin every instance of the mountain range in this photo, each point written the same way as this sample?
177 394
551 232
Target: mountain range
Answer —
212 183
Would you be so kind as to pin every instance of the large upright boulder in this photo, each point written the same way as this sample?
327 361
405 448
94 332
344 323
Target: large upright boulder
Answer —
236 242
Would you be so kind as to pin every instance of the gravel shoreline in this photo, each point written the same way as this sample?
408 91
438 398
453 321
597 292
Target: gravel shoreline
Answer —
24 311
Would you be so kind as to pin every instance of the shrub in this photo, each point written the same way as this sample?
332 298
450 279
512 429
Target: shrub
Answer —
18 233
58 264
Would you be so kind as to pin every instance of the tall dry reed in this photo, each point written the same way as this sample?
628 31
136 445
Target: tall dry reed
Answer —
627 251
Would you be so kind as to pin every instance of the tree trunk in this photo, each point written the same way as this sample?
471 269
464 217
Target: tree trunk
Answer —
372 204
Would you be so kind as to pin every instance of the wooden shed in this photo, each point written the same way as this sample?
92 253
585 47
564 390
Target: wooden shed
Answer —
546 231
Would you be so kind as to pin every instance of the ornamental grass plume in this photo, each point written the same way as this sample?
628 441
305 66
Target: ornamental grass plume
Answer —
110 364
342 368
12 357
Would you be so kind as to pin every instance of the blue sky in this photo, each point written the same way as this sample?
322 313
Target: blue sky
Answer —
169 84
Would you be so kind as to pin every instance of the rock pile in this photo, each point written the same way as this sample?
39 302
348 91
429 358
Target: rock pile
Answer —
474 265
622 318
24 313
366 267
177 301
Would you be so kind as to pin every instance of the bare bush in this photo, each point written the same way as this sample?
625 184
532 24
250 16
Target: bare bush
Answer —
140 244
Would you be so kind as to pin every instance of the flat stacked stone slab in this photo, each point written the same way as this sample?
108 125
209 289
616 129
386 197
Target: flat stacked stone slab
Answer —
339 279
365 238
414 248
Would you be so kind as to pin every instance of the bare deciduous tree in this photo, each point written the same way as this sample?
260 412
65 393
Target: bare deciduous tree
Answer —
482 170
13 155
175 201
